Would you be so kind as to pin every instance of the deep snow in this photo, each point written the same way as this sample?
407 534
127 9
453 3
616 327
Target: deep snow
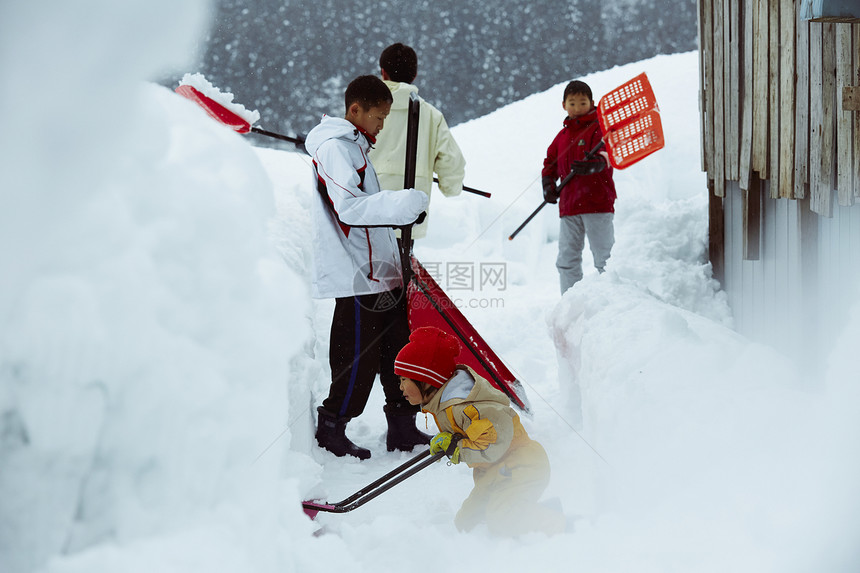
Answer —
160 356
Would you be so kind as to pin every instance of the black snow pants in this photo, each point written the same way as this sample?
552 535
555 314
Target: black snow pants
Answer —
367 332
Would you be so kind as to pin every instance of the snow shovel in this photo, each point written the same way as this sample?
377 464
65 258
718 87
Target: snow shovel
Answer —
630 120
378 487
413 115
235 121
430 306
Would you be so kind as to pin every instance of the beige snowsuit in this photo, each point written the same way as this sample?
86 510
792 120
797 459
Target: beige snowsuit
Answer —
510 469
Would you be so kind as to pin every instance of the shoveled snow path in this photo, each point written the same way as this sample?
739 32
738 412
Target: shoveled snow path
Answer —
518 332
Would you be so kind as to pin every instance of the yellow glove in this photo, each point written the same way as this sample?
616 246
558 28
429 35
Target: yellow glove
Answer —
447 443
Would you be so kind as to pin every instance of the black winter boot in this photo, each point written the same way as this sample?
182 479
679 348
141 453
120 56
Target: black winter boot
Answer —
331 436
402 433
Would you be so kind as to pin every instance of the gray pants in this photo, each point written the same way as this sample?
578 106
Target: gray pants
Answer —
571 240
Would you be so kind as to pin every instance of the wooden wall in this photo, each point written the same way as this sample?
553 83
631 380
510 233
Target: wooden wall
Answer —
781 148
772 101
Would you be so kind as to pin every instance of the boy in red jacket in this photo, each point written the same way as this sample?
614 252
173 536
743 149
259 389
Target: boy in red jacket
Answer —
587 202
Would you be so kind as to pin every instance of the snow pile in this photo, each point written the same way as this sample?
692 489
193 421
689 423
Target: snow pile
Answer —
143 347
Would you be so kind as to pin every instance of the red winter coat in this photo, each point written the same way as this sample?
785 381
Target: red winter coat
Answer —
593 193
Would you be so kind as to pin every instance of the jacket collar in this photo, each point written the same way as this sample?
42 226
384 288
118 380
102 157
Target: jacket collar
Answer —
335 128
369 137
400 92
582 120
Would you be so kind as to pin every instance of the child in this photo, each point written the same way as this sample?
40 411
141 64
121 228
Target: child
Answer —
478 426
437 150
357 263
587 202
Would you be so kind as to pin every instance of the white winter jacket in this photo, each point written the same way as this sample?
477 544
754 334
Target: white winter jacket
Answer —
355 251
437 151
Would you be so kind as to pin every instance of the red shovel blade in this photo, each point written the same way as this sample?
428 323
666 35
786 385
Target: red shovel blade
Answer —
626 102
312 508
630 118
215 110
636 140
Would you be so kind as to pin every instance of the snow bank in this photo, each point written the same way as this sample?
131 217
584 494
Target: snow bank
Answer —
143 354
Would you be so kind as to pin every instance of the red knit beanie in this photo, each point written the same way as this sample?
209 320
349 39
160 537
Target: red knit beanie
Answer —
429 356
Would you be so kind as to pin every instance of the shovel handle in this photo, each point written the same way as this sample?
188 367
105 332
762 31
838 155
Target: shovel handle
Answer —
561 185
526 222
378 487
469 189
295 140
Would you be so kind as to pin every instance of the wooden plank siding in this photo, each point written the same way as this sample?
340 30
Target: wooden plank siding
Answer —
718 163
801 110
781 148
856 69
844 118
760 108
773 93
771 89
787 86
746 47
704 24
732 14
816 113
826 181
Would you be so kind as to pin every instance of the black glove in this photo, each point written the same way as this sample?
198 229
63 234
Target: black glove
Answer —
588 167
550 191
420 218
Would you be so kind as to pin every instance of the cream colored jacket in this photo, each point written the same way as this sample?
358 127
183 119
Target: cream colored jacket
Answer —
437 151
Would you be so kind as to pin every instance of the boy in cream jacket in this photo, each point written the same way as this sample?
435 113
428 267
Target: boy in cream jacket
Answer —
437 151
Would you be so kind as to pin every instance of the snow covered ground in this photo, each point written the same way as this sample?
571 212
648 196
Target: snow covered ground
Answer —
160 356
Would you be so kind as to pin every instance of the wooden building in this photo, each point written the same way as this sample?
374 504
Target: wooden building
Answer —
780 124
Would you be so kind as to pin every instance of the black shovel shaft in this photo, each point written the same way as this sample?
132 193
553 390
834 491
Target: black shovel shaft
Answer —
371 486
380 486
469 189
388 485
561 185
301 141
409 169
296 140
528 219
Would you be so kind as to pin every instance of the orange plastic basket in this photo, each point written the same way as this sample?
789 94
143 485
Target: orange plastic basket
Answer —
631 124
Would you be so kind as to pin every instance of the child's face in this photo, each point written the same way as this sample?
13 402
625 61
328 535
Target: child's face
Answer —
370 120
577 104
411 392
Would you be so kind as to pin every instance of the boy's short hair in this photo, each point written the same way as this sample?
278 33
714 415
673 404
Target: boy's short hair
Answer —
368 92
400 63
577 87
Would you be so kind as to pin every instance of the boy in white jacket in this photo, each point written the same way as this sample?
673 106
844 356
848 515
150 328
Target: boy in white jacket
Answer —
356 262
437 151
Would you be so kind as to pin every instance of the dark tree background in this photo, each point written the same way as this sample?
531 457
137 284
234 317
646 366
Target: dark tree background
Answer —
292 59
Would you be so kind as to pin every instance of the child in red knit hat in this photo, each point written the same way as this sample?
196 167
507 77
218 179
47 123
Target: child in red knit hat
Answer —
478 427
